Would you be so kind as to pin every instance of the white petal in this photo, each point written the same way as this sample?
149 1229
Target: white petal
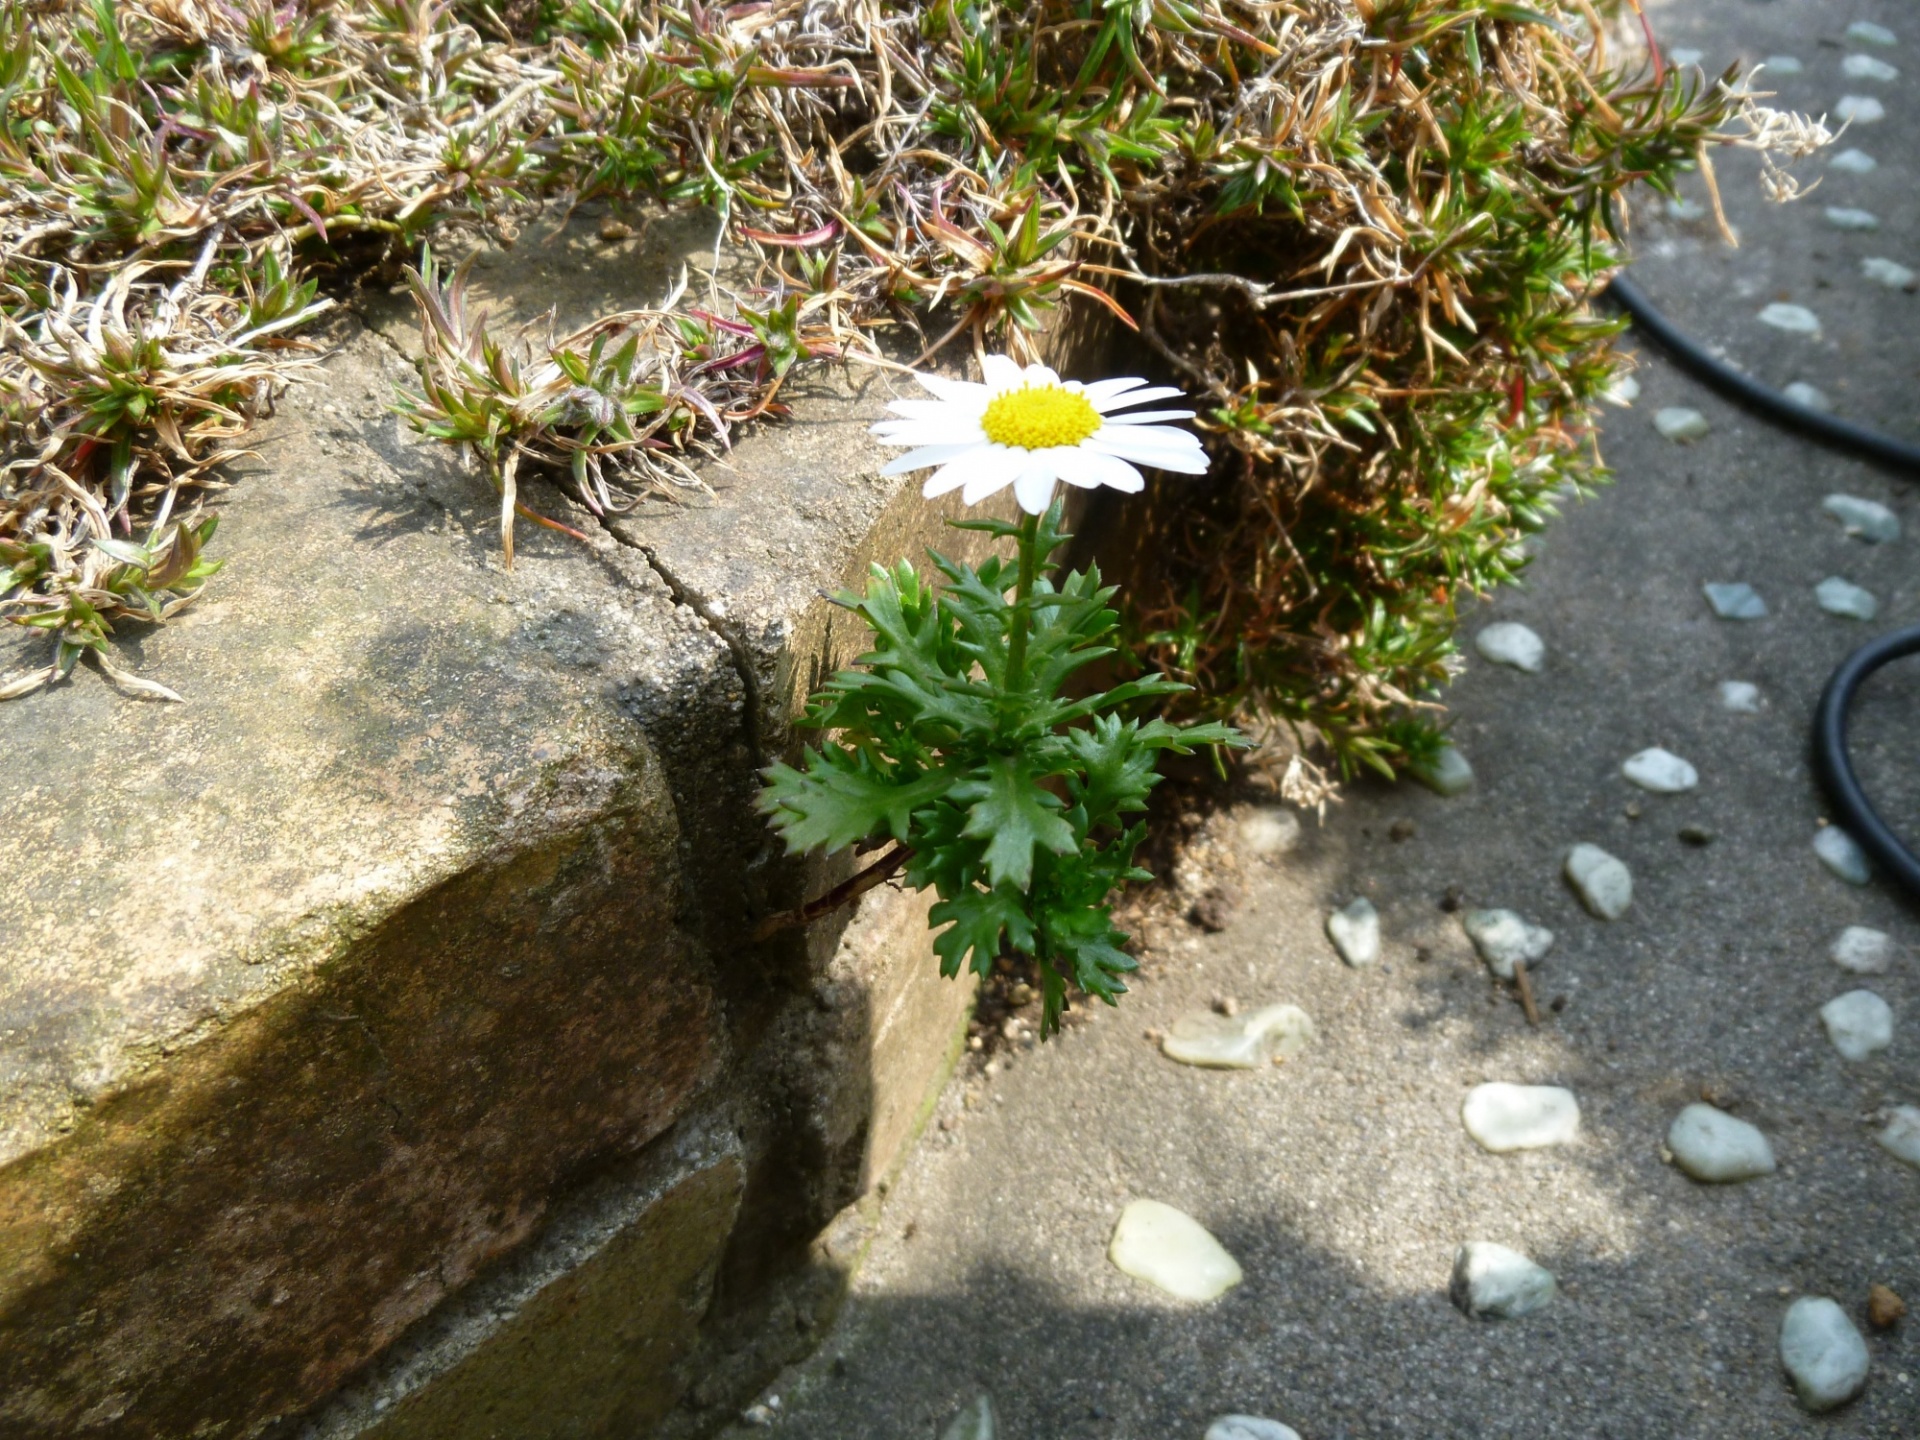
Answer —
959 392
1088 468
1191 460
1140 397
925 458
1034 488
935 409
930 432
1001 373
985 462
1040 375
1101 390
993 480
1142 417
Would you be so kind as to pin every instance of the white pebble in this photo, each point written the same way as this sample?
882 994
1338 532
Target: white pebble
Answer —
1508 642
1855 162
1681 208
1681 425
1240 1042
1842 854
1890 273
1736 601
1860 109
1862 950
1901 1137
1823 1353
1660 771
1844 217
1502 1117
1785 64
1794 319
1269 831
1740 696
1712 1145
1355 932
1685 56
1867 520
976 1421
1846 599
1504 939
1865 32
1858 1023
1810 396
1492 1282
1622 392
1604 884
1448 773
1868 67
1249 1427
1172 1251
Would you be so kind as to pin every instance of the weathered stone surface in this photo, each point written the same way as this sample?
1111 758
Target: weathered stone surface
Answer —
326 993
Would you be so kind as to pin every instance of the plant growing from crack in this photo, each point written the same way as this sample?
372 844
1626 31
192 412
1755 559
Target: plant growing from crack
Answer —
957 736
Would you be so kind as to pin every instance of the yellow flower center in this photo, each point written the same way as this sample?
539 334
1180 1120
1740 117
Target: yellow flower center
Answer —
1039 417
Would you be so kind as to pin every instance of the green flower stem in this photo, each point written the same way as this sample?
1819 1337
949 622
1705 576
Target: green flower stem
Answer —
1022 619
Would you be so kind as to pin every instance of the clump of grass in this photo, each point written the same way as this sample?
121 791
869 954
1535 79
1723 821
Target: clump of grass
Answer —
1365 230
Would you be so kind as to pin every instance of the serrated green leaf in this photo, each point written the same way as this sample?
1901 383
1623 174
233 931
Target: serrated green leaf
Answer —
1013 815
975 921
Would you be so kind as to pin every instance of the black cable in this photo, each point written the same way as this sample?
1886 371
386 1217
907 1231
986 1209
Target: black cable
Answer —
1830 759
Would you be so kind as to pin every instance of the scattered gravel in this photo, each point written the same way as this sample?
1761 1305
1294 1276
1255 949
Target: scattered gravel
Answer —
1890 273
1491 1282
1742 697
1448 773
1603 883
1865 32
1842 854
1855 162
1502 1117
1794 319
1867 520
1845 217
1660 771
1785 64
1823 1353
1355 932
1681 425
1901 1137
1712 1145
1240 1042
1269 831
1846 599
1862 950
1860 110
1858 1023
1172 1251
1735 601
1508 642
1814 398
1249 1427
1504 939
1869 67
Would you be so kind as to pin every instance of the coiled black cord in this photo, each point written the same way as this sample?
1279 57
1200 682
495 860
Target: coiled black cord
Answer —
1831 761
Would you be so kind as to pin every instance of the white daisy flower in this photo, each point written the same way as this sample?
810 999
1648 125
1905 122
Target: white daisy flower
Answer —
1028 428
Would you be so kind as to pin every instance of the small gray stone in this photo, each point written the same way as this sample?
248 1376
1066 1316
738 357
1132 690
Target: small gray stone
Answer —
1845 217
1845 599
1869 67
1660 771
1680 424
1504 939
1867 520
1810 396
1740 696
1508 642
1683 209
1855 162
1890 273
1355 932
1862 950
1901 1137
1604 884
1502 1117
1622 392
1785 64
1249 1427
1823 1353
1735 601
1269 831
1491 1282
1794 319
1448 773
1858 1023
1842 854
1865 32
1712 1145
1860 110
975 1421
